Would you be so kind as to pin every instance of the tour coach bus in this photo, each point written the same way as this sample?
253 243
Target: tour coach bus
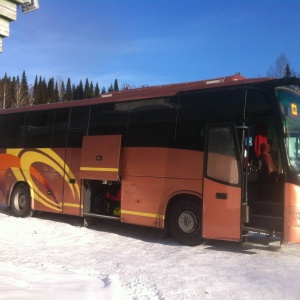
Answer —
209 159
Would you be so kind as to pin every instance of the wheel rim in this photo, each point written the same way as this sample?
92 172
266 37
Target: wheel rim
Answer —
20 201
187 222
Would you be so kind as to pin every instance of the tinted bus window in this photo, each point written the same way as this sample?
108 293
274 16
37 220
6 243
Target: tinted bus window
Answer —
258 105
152 123
38 128
60 128
109 119
198 109
11 130
78 125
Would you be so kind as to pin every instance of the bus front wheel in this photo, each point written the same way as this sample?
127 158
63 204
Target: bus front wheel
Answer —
185 221
20 201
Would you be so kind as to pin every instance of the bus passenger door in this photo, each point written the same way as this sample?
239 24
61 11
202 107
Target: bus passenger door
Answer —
222 184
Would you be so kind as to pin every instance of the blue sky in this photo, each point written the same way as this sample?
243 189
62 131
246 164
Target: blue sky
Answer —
151 42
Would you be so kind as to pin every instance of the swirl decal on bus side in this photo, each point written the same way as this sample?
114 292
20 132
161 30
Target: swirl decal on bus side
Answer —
21 161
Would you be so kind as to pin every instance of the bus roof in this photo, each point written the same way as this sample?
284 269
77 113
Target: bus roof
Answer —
158 91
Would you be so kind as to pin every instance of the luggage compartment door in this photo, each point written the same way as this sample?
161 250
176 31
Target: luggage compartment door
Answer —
100 157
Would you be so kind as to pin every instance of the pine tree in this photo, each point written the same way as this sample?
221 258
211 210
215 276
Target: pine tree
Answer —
24 90
116 85
36 91
86 89
68 92
40 91
73 91
288 72
43 91
103 91
97 90
79 94
111 89
51 91
91 90
38 98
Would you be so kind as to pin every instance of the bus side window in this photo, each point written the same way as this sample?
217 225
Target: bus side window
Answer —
38 129
195 110
60 128
152 123
11 130
78 125
258 105
109 119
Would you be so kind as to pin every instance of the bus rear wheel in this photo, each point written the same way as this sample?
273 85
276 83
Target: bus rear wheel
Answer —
20 201
185 221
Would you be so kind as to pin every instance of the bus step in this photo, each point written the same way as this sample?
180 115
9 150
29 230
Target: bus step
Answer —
262 236
266 222
266 208
88 218
253 230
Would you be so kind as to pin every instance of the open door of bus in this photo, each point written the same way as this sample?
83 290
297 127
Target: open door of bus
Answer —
222 184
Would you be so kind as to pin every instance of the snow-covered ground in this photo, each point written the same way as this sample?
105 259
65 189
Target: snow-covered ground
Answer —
54 257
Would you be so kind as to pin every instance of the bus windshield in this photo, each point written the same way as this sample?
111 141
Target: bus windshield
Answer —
289 98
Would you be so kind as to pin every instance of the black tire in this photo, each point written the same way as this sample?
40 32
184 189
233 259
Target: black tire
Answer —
20 201
185 221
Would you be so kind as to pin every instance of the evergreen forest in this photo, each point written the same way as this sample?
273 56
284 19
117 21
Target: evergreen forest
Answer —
16 92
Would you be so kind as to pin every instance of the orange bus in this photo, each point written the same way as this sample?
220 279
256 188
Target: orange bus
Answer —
208 159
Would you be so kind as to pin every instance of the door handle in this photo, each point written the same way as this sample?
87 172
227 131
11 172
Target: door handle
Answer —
222 196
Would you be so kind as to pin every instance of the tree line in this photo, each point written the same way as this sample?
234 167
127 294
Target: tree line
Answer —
16 92
282 68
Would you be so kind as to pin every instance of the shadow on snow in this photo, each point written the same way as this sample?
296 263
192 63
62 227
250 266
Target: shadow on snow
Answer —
154 235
